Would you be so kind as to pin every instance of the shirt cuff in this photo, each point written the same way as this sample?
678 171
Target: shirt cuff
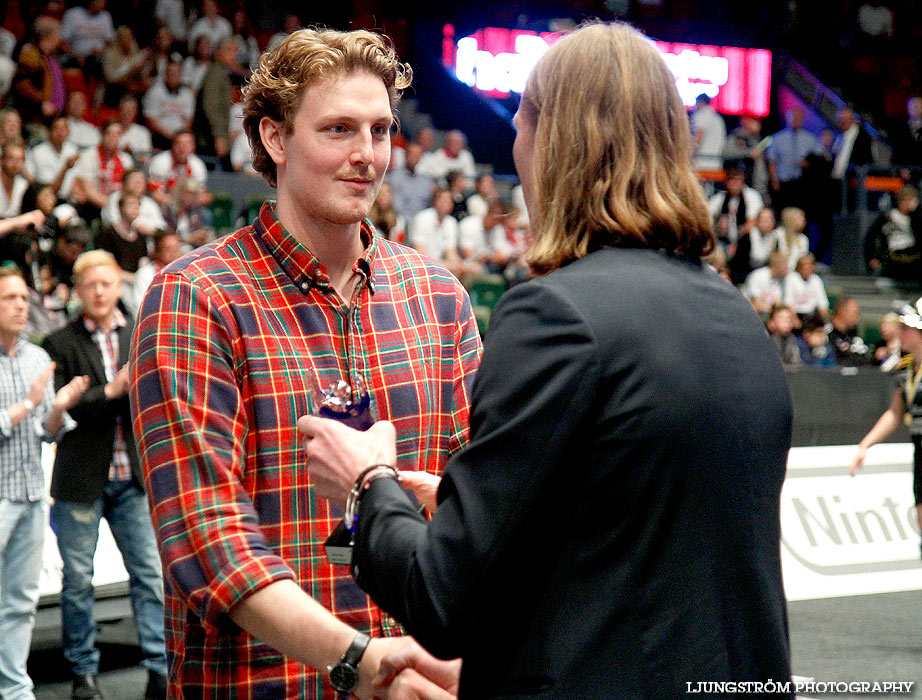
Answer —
233 585
67 424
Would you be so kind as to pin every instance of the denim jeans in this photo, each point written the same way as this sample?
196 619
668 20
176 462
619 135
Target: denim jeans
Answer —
22 535
124 506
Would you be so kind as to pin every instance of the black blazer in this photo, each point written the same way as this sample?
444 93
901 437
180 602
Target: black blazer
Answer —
612 530
907 147
81 465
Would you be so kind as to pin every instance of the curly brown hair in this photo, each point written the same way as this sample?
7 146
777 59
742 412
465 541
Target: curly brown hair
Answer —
301 59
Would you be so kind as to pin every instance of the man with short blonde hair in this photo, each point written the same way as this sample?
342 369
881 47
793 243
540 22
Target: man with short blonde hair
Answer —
97 473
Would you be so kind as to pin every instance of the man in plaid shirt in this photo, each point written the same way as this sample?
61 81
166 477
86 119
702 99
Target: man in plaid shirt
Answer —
230 340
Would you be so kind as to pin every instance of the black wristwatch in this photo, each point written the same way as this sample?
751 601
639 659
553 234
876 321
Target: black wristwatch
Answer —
345 675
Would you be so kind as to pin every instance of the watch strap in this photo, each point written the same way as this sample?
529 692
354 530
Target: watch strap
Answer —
353 655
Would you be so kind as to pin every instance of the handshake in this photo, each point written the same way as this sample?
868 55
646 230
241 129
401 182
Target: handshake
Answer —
403 670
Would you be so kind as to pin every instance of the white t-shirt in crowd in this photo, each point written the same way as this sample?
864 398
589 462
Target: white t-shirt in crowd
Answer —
761 286
11 204
136 140
82 134
164 171
44 163
149 214
216 29
431 237
437 164
805 296
171 110
86 33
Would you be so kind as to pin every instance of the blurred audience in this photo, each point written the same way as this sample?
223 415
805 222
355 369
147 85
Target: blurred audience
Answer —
412 188
851 350
150 217
434 231
13 183
212 25
887 350
124 239
893 243
51 161
99 172
127 68
765 285
168 106
211 122
180 162
452 156
196 63
82 133
38 91
804 290
136 139
907 137
167 247
710 135
786 155
485 192
384 217
186 215
814 345
781 324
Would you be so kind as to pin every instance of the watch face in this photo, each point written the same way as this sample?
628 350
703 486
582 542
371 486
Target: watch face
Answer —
344 677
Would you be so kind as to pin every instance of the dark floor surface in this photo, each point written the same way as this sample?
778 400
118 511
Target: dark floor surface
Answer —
863 638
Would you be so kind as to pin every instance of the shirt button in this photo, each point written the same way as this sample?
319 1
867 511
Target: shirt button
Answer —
305 286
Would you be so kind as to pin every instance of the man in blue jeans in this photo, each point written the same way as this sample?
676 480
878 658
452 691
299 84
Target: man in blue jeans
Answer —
29 413
97 473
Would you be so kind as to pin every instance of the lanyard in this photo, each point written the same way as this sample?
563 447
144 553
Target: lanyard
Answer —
912 386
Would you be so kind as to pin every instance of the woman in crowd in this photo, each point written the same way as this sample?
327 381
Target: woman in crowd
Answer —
385 218
185 214
127 68
605 534
761 238
195 65
888 351
790 237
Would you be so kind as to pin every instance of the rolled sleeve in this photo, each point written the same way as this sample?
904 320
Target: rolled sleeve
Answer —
6 424
190 422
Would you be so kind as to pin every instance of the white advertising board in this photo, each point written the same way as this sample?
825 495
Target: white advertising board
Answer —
844 535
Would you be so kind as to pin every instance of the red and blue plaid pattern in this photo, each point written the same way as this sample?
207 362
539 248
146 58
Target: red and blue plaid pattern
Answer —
222 356
106 340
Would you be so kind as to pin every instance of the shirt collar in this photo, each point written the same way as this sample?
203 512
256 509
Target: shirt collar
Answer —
299 263
21 342
118 321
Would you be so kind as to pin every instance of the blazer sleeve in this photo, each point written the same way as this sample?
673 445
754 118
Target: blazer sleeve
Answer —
501 498
93 405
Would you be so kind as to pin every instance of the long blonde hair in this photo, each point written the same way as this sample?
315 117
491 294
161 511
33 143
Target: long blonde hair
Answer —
612 161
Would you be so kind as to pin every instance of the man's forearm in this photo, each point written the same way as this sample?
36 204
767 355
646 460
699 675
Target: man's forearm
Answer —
283 616
55 420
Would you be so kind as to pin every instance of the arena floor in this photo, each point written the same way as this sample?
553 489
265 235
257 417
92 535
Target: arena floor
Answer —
862 638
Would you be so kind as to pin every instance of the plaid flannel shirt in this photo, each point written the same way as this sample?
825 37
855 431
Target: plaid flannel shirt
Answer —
221 361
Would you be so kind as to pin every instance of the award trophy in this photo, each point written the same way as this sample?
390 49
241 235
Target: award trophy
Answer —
351 405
